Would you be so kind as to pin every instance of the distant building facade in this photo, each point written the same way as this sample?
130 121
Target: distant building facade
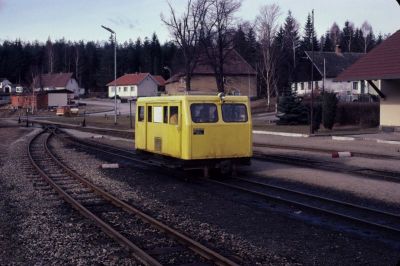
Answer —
57 81
239 77
134 85
6 86
327 66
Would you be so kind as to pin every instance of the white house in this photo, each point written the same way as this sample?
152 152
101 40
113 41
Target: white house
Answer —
134 85
57 81
327 66
6 86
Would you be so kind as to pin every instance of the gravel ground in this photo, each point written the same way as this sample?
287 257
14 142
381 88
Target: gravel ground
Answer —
218 218
36 228
381 190
327 143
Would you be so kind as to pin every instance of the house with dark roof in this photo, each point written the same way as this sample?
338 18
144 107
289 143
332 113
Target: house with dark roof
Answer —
57 81
240 77
134 85
327 66
381 63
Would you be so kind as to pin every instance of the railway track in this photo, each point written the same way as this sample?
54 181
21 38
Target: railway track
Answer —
149 240
328 166
327 151
373 218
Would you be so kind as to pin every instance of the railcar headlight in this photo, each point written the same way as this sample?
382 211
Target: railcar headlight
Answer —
221 96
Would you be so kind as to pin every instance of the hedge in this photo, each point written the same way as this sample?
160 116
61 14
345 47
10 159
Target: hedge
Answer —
363 114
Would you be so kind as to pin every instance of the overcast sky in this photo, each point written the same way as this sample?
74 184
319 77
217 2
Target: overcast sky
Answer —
74 20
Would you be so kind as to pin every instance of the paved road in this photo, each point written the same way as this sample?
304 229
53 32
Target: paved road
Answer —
122 108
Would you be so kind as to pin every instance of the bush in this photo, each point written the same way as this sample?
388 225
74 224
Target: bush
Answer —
317 115
363 114
329 104
293 111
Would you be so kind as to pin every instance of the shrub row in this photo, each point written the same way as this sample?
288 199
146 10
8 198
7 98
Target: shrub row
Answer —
363 114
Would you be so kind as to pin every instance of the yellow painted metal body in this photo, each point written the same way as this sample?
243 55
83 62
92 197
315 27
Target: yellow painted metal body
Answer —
188 140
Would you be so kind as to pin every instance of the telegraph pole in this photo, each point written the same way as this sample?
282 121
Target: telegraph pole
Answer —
312 75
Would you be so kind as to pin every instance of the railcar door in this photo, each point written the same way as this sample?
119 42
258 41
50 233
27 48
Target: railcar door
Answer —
140 127
173 130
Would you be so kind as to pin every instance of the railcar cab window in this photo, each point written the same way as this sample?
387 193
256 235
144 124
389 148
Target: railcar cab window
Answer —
141 113
204 112
234 112
165 112
173 115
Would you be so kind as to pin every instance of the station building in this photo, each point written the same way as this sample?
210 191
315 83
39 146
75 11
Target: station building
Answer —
383 64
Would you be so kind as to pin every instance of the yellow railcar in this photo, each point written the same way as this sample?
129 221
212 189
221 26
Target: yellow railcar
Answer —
207 131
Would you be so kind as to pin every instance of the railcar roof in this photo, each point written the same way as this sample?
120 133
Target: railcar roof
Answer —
192 98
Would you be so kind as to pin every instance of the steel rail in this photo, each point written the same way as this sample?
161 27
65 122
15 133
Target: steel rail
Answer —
197 247
140 254
314 208
329 151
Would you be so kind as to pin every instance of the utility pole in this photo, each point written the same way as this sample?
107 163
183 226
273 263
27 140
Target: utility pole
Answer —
312 76
115 70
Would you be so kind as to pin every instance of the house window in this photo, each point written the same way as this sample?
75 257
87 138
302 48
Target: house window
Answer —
119 89
295 86
302 86
363 86
309 85
125 89
316 85
355 85
132 88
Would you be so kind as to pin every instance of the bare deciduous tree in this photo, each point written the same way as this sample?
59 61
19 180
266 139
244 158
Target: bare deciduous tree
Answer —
366 30
217 35
266 28
335 34
186 32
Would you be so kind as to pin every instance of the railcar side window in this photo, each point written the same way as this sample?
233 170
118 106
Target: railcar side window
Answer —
158 115
173 115
165 112
234 113
204 112
141 113
149 114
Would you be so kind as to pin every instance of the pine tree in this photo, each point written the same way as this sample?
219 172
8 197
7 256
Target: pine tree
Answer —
292 110
347 36
309 39
328 44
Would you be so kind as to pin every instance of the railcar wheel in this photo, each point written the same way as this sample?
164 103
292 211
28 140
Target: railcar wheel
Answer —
226 168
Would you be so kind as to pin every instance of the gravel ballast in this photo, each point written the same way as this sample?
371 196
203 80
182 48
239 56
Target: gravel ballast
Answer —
217 218
36 227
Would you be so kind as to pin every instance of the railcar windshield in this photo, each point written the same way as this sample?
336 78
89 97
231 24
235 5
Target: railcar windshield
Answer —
204 112
234 112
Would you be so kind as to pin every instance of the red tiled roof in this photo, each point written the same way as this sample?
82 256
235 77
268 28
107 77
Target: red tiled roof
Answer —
383 62
129 79
52 80
160 80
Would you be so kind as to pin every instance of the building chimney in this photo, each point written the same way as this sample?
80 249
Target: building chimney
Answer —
338 49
